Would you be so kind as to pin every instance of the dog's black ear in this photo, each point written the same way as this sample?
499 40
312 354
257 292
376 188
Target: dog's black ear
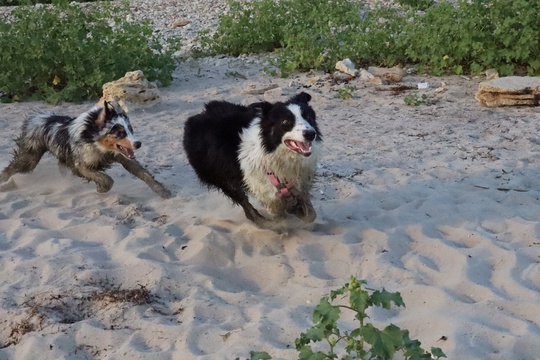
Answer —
106 113
262 107
303 97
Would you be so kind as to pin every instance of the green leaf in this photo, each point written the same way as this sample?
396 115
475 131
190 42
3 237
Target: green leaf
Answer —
437 352
360 301
315 334
306 353
325 314
383 343
384 299
259 355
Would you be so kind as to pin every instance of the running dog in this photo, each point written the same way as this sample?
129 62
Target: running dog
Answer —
266 150
87 145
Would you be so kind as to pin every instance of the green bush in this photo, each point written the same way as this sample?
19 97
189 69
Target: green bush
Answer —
416 4
26 2
364 342
467 37
249 27
307 34
62 52
477 35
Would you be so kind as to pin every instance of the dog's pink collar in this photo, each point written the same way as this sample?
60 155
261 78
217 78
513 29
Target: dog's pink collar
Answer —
282 187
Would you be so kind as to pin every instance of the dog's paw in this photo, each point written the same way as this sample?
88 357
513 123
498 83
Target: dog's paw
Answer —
164 193
8 185
303 211
309 216
104 186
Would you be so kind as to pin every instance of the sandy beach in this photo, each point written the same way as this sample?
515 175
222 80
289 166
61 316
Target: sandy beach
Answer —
439 202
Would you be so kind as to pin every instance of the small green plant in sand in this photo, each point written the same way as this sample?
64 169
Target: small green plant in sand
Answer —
65 52
326 340
346 92
414 99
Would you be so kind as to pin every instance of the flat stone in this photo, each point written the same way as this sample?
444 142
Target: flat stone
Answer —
512 84
494 99
509 91
394 74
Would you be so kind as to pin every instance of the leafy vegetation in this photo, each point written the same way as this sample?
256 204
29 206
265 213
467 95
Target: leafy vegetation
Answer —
417 4
62 52
26 2
442 37
364 342
346 92
414 99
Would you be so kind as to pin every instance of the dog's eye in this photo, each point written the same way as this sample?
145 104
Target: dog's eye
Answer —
118 131
286 122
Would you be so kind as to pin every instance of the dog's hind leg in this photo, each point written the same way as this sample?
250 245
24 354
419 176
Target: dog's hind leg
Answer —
139 171
23 161
103 181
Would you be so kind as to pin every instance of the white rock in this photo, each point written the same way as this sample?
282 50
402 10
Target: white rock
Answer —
347 66
366 75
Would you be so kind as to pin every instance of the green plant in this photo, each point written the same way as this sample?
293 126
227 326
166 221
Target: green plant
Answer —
26 2
414 99
305 34
346 92
62 52
417 4
248 27
466 36
475 35
364 342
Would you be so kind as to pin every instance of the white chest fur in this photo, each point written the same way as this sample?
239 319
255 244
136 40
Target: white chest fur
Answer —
286 165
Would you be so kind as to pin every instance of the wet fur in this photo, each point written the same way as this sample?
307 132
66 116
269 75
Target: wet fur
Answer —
230 146
88 145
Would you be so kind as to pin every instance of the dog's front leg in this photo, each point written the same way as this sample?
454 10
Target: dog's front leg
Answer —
300 206
103 181
136 169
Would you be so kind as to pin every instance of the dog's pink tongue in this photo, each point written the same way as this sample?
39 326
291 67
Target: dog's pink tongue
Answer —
305 146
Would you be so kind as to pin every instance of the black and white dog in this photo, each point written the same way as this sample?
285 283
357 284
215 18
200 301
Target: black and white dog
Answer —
269 151
88 145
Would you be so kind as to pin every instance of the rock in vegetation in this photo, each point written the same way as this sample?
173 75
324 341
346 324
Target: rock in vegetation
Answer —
393 75
131 91
509 91
340 78
347 66
366 75
492 74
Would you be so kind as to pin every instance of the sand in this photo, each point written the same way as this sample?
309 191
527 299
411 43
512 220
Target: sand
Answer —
440 203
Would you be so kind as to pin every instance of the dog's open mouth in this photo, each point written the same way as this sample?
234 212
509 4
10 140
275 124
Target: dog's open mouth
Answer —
126 152
299 147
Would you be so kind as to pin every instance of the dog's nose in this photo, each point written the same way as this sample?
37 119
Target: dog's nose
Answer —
137 144
309 135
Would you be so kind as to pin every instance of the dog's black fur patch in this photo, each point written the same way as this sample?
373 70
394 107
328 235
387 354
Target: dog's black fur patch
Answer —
213 138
